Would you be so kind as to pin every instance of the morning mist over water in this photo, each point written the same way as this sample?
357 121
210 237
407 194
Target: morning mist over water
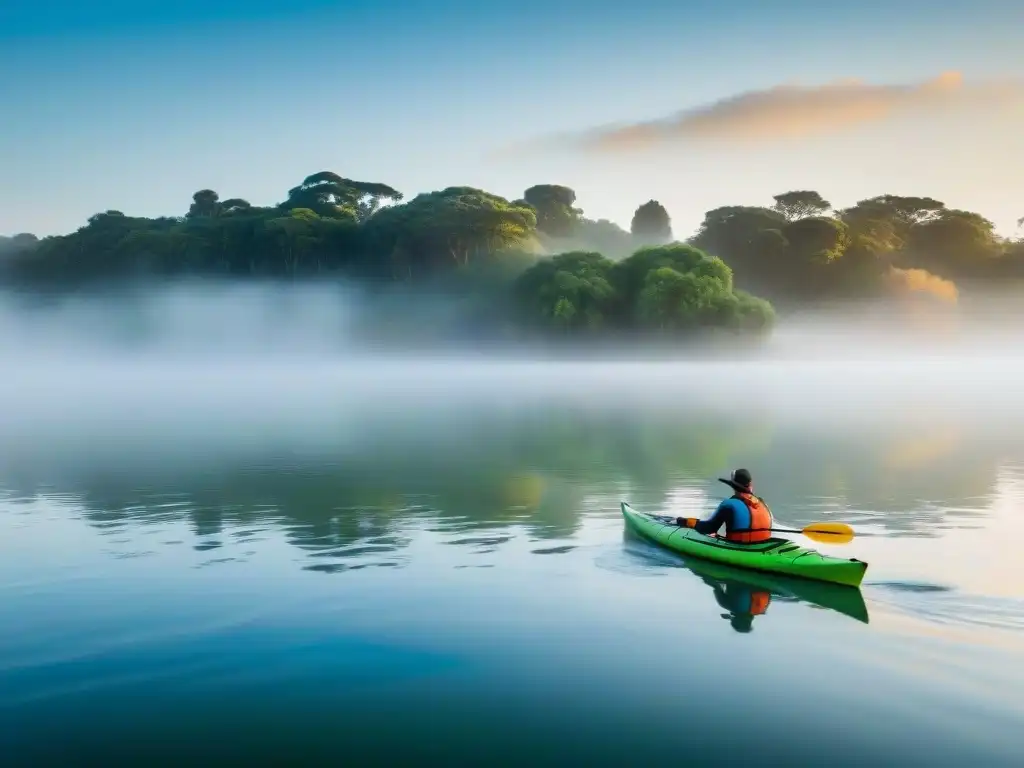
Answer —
280 345
187 379
280 394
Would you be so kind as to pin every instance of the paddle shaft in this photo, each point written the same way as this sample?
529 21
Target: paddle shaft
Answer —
802 531
819 533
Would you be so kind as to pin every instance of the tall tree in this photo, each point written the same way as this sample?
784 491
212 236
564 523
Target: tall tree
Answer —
330 195
748 238
731 231
452 226
18 243
914 210
556 215
651 223
954 244
205 205
815 240
235 205
902 212
801 203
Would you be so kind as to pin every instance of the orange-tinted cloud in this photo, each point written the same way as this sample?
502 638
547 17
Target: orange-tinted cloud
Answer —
791 111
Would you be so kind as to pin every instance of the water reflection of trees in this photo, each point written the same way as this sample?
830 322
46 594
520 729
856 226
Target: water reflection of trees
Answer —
530 471
907 481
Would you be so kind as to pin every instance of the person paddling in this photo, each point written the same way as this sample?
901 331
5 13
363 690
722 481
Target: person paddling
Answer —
746 517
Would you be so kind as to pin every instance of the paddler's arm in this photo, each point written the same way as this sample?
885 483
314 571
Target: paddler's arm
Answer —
718 518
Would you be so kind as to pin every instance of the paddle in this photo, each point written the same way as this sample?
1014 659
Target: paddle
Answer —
827 533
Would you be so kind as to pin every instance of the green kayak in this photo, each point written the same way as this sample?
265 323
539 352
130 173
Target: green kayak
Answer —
773 556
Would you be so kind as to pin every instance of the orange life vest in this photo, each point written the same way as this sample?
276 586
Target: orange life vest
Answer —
760 521
759 601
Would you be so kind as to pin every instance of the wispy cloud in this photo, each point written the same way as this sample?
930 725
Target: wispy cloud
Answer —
795 111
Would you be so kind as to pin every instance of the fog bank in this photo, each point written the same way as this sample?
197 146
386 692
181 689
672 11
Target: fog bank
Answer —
213 320
207 363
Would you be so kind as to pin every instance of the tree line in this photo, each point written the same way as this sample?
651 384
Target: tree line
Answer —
545 264
800 248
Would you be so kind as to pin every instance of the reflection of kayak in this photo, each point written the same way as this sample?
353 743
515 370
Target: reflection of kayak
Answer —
842 599
775 555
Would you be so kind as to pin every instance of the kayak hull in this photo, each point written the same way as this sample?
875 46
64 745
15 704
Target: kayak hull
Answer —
773 556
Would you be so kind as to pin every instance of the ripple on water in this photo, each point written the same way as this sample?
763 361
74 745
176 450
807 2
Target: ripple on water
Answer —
483 541
351 542
342 567
131 555
947 606
561 550
636 557
352 551
911 586
218 561
249 534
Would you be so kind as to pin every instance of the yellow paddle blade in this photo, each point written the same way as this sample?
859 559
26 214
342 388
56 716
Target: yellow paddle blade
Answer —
829 533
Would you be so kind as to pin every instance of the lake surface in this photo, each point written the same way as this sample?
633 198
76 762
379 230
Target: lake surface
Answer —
394 562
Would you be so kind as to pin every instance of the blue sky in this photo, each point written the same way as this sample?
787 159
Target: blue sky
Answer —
134 105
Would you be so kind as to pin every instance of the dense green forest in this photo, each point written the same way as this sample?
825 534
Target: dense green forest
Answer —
537 262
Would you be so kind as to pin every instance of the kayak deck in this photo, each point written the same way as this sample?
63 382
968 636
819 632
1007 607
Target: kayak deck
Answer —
772 556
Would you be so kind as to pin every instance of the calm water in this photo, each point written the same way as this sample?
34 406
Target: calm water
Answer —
386 563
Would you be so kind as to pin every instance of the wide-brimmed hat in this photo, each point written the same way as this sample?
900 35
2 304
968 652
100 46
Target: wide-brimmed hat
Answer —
739 480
